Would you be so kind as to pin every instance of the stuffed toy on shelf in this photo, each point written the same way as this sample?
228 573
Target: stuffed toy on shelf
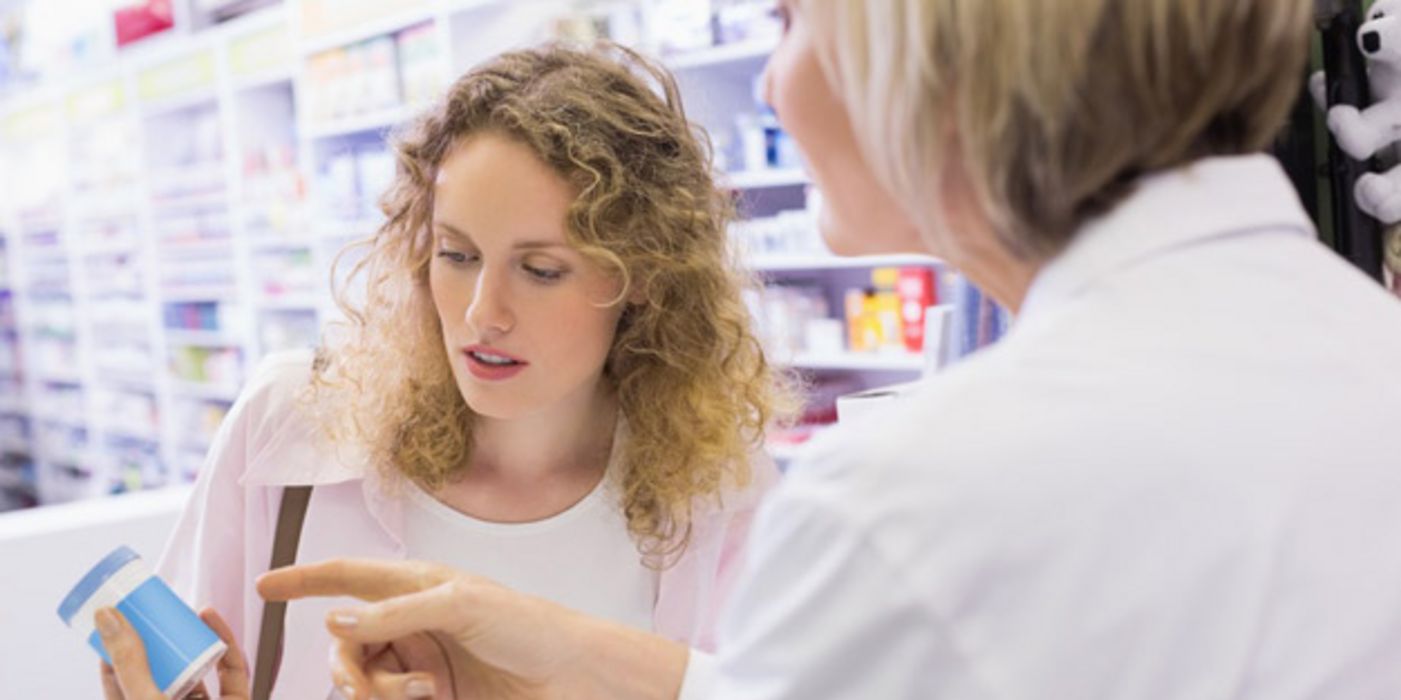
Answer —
1374 131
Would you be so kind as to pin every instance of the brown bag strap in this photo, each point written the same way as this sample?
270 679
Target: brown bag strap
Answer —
284 553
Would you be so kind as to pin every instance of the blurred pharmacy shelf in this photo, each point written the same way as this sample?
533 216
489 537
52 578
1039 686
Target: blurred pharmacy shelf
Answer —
174 208
858 362
791 262
752 51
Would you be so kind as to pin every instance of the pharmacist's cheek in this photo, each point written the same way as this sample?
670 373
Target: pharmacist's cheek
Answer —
857 217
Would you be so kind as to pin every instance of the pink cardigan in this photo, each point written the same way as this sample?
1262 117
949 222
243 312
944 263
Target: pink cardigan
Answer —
224 538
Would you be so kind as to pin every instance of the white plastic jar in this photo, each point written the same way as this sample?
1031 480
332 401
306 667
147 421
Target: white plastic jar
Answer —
180 648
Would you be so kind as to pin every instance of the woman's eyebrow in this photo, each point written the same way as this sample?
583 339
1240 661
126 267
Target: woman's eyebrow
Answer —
532 244
451 230
539 245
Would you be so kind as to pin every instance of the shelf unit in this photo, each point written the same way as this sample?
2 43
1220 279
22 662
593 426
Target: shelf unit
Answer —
763 179
201 187
859 362
736 55
825 261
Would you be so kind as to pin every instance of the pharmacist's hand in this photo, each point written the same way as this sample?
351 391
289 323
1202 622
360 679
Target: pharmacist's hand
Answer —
129 676
502 644
421 666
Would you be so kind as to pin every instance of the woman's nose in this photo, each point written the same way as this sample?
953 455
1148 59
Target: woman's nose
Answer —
489 314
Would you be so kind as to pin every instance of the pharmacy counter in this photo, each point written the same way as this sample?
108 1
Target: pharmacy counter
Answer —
43 553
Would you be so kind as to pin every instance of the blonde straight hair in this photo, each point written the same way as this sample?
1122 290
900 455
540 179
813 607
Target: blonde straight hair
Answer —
1054 108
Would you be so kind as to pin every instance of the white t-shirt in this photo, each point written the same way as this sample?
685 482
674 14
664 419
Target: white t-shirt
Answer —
582 558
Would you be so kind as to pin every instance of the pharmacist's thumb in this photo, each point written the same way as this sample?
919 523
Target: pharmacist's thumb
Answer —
128 656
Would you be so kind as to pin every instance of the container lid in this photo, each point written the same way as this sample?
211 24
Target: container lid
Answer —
110 564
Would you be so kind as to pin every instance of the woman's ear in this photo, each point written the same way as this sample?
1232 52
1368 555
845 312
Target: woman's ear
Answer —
635 293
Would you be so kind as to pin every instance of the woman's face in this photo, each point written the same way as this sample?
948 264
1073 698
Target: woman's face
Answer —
525 317
858 217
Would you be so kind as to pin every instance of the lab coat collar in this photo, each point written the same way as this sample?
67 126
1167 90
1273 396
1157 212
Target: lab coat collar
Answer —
1209 199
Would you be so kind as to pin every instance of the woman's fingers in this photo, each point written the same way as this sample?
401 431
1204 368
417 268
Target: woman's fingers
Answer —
233 666
360 578
128 656
110 689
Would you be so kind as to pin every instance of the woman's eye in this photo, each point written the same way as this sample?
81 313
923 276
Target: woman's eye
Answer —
453 257
544 274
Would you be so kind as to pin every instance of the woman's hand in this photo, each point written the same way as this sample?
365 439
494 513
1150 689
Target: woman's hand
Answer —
502 644
129 676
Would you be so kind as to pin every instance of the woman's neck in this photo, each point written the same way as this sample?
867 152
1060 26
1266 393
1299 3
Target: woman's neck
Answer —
537 466
574 436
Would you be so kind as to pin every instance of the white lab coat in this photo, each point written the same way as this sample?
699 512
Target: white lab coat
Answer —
1179 476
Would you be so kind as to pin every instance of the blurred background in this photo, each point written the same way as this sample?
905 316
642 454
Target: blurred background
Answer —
178 176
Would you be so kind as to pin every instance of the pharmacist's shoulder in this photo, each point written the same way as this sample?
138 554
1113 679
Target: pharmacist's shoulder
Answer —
978 419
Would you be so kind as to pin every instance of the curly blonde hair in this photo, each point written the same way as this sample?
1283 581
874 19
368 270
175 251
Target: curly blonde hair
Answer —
690 376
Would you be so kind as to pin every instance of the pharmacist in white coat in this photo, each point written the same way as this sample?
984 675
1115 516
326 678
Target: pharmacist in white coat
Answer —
1178 477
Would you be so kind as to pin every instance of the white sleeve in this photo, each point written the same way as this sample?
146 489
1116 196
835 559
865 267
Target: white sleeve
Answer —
699 681
822 613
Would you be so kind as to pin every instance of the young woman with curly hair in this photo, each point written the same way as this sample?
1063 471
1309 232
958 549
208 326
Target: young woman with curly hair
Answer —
551 378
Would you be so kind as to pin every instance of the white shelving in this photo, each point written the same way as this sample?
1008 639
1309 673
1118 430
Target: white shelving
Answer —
859 362
377 27
61 419
454 6
761 179
291 302
202 338
825 261
199 294
214 392
739 52
380 121
59 377
263 79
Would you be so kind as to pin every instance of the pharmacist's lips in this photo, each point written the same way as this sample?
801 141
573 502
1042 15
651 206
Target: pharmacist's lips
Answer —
479 350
